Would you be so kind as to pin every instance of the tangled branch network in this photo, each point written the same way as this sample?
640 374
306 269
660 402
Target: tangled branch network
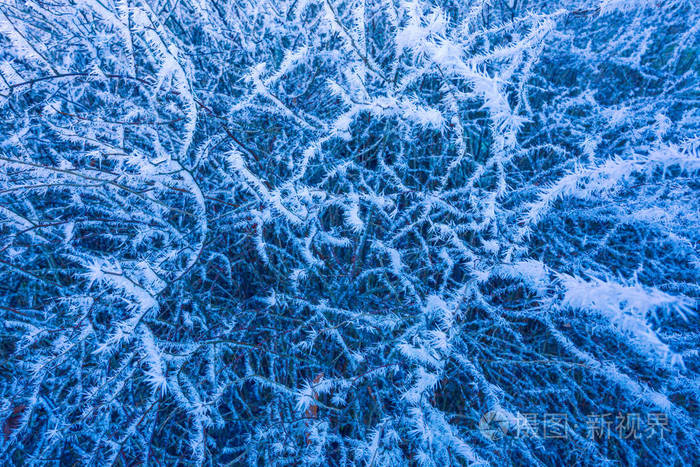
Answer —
349 232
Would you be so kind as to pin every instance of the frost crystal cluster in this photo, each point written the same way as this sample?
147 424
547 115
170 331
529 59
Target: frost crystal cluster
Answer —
349 232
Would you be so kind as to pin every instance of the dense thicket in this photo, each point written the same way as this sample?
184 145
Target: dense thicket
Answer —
339 232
